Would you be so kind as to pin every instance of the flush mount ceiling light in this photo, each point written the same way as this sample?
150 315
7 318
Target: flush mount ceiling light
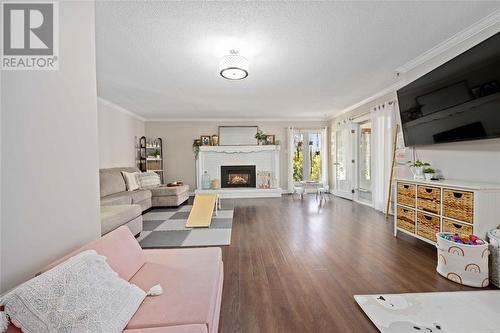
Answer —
233 66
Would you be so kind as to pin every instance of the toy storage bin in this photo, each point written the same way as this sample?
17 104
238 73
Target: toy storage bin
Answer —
494 248
461 263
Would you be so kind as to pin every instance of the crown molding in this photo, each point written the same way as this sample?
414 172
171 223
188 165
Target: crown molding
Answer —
451 42
234 119
371 98
471 31
120 109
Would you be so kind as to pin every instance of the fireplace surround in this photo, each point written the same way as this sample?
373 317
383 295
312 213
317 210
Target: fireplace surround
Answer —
211 158
237 176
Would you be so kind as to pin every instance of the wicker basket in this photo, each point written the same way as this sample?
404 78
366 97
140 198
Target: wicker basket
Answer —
428 226
153 165
458 205
406 194
457 228
406 219
429 199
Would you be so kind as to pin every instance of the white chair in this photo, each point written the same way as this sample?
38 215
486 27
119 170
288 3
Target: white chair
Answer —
298 190
322 192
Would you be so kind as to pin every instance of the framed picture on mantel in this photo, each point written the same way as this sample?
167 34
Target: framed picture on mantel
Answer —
237 135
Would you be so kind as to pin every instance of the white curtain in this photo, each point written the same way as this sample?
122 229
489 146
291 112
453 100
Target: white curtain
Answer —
289 135
383 125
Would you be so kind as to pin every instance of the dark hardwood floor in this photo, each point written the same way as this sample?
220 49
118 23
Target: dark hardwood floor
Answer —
292 267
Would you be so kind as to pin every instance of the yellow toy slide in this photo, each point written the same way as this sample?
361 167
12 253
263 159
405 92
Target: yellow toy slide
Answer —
201 213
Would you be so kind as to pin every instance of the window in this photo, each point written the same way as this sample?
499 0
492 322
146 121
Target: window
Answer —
308 155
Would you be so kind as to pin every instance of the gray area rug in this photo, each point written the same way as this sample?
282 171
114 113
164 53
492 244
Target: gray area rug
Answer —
166 227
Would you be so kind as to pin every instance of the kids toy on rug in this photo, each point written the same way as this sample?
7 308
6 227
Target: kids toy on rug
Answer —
463 260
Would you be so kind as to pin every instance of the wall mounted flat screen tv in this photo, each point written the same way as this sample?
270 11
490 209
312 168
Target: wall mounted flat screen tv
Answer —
458 101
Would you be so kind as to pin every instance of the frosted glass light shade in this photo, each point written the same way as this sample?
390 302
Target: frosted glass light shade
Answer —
233 67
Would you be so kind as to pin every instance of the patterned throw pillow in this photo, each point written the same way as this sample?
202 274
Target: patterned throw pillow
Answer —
83 294
148 179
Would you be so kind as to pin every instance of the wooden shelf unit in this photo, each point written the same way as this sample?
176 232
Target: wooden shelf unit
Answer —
424 208
145 161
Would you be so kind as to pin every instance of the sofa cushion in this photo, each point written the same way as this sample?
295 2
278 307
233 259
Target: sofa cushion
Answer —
114 216
169 200
196 328
111 180
190 280
124 254
147 179
131 180
126 197
163 190
140 195
82 294
120 198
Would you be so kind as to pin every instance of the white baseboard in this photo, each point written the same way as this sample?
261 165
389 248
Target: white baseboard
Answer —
237 193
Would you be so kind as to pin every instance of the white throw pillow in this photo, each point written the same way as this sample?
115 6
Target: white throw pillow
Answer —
82 294
148 179
131 180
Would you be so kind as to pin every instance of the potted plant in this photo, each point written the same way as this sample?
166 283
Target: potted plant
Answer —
429 173
196 147
156 153
261 137
417 169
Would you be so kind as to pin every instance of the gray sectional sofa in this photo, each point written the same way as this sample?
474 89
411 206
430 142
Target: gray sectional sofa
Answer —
122 207
114 190
115 216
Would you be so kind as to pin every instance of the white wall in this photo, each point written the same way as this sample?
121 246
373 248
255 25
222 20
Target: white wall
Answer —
178 136
1 184
49 166
118 129
471 160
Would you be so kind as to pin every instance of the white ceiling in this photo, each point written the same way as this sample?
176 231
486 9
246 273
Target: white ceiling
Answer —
307 59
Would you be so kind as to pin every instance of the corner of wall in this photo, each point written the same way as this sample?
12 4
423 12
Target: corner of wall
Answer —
119 129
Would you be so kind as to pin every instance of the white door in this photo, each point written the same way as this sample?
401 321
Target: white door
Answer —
363 165
343 162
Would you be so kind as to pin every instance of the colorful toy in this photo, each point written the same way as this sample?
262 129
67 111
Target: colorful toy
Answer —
467 240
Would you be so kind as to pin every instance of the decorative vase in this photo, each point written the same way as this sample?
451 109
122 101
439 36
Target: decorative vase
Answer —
205 181
215 140
428 176
418 172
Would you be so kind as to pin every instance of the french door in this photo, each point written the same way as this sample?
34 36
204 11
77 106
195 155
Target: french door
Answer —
363 188
342 162
352 163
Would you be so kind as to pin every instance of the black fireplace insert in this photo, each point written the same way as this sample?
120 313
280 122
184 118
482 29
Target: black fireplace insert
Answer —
237 175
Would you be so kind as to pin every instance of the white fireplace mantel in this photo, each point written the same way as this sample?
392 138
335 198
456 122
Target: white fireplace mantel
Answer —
238 149
265 158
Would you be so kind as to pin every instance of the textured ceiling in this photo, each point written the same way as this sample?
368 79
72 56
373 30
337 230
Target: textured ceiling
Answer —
307 59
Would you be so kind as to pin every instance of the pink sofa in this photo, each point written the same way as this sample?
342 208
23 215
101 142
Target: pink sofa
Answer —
191 280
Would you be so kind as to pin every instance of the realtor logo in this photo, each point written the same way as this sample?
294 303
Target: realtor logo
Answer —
30 36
